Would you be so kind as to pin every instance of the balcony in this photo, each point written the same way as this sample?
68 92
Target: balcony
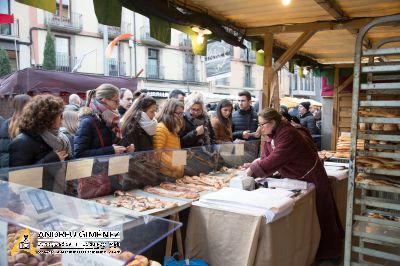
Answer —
154 72
71 24
146 39
10 30
65 62
116 68
249 82
243 55
222 82
115 31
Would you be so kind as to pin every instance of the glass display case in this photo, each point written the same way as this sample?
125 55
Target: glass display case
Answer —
50 216
154 182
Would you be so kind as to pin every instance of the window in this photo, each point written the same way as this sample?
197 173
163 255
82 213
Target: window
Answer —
5 29
247 76
189 70
62 53
153 64
63 8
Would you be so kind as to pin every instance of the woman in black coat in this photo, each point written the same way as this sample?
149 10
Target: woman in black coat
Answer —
10 128
40 140
98 132
198 130
139 124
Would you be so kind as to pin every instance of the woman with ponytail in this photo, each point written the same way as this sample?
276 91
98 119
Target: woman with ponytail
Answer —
98 132
139 124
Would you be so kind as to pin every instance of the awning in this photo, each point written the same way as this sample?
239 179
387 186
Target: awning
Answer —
293 102
38 81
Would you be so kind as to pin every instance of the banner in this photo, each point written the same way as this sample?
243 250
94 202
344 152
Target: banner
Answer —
218 60
6 19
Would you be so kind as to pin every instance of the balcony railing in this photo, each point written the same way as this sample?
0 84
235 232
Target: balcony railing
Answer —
243 55
10 30
65 62
249 82
154 72
222 82
73 23
146 39
115 67
115 31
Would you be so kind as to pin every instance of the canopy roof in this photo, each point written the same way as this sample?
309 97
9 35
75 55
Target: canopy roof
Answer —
288 22
37 81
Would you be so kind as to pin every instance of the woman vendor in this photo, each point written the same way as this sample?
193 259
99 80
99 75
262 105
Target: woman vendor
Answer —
288 151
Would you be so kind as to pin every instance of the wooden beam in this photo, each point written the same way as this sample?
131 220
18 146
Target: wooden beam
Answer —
346 83
268 71
301 27
293 49
335 111
336 11
332 8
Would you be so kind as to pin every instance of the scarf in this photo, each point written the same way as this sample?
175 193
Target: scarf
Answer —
109 116
201 121
148 125
57 140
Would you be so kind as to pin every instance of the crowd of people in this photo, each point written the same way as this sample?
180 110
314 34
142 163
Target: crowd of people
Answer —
115 121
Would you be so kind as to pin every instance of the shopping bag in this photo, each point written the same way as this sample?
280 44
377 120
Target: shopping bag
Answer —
172 261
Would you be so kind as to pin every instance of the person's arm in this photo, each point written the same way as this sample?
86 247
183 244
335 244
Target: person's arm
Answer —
188 138
236 134
160 137
83 139
212 133
284 152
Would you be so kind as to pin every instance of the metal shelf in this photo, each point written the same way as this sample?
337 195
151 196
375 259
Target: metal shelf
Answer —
389 155
379 203
375 220
384 233
382 188
384 51
389 172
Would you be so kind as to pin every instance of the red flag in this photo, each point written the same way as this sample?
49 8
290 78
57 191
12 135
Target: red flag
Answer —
6 18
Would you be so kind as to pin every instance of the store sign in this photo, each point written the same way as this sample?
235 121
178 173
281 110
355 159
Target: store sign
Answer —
89 260
158 94
218 60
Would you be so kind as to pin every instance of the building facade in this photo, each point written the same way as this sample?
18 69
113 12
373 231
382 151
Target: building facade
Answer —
78 35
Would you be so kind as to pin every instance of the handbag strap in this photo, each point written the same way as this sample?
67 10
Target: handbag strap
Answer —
98 132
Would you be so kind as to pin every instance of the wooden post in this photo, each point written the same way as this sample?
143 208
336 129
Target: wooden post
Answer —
267 76
335 111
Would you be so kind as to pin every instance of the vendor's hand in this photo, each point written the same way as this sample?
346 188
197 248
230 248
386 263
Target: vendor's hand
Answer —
200 130
119 149
246 165
130 148
249 172
62 155
246 134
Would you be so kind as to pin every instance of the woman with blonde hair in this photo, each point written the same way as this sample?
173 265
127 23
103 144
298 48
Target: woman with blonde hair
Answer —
170 123
69 124
10 128
98 132
198 130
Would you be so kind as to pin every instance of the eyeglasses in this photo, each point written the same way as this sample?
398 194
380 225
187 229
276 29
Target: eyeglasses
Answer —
179 113
263 124
195 110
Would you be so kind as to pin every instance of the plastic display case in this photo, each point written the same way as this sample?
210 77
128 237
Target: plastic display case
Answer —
39 210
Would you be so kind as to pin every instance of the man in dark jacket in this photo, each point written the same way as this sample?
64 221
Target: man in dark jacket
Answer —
245 119
307 119
125 100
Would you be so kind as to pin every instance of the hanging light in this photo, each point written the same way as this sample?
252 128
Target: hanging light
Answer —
200 33
286 2
306 70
